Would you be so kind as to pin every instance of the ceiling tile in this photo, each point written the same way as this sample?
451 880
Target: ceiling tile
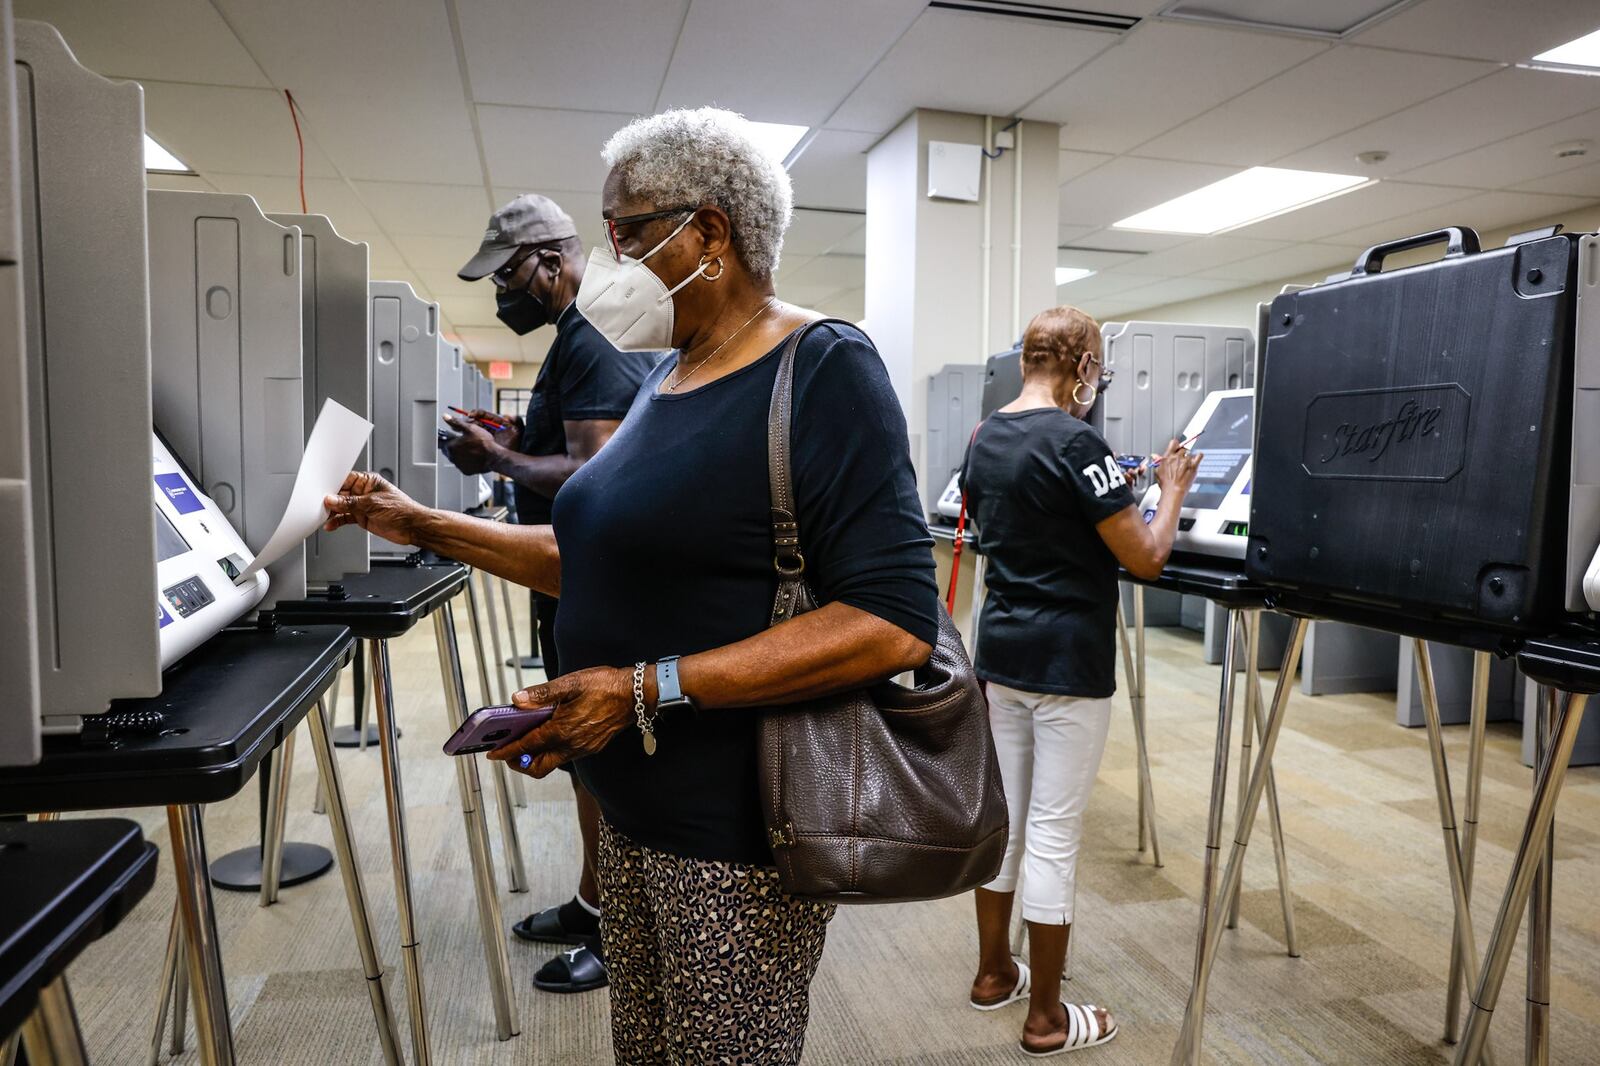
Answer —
1332 219
442 284
939 64
812 295
832 171
1582 181
1127 240
780 62
384 260
1171 291
439 254
240 131
547 151
430 210
553 56
1487 29
1066 235
850 305
1501 105
1288 262
471 311
377 82
1157 76
1076 164
1483 212
1127 185
177 182
1197 255
833 271
536 344
1520 158
854 243
1105 283
1326 95
279 195
180 40
815 232
1093 260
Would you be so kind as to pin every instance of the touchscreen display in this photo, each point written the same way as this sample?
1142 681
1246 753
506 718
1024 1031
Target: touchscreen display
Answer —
1226 442
169 541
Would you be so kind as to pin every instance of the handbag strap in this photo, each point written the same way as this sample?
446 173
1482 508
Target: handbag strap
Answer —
787 557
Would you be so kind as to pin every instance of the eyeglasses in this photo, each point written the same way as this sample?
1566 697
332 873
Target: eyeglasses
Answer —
1106 376
503 276
611 224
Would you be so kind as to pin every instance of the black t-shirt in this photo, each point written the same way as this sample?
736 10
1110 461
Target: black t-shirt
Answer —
666 548
583 378
1037 482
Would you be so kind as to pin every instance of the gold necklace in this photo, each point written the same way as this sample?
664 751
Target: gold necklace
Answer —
763 309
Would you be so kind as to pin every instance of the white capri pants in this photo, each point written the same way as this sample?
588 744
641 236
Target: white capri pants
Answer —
1049 749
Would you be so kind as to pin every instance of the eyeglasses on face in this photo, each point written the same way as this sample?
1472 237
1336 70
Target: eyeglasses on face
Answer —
503 276
613 224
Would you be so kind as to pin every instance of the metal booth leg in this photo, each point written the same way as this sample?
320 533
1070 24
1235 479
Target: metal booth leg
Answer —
276 821
355 892
1254 723
399 847
1136 704
50 1034
1537 1028
320 805
510 838
1219 788
169 985
1548 780
489 919
1188 1047
180 987
213 1031
518 796
1252 630
1465 940
1469 842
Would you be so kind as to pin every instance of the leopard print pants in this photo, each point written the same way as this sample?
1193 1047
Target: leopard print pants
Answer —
710 962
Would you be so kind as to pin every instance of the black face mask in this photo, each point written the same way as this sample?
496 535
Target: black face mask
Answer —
522 312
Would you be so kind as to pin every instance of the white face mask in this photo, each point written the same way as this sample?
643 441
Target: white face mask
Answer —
626 302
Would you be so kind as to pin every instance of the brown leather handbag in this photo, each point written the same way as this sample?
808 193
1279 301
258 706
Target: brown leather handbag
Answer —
887 793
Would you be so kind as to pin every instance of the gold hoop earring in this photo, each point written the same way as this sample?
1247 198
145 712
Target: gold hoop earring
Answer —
1081 384
721 268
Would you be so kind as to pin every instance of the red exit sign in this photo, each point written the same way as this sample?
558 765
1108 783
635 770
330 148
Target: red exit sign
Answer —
500 371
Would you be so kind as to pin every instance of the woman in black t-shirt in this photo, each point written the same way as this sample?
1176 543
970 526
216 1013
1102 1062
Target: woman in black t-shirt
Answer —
1055 516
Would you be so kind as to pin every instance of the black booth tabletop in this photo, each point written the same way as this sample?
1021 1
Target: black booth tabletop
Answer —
226 705
1569 662
65 885
382 603
1218 580
494 512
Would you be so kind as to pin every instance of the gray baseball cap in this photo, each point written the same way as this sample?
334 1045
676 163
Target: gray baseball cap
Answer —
529 219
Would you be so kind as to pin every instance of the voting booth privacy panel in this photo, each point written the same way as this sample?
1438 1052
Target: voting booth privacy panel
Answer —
404 368
19 717
1417 433
81 161
225 339
336 332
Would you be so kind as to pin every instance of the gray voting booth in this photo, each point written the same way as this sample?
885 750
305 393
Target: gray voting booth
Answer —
336 328
1163 372
955 398
449 483
404 367
87 363
225 337
19 717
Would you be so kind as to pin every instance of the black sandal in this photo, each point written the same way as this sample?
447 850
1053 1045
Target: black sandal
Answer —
569 923
579 969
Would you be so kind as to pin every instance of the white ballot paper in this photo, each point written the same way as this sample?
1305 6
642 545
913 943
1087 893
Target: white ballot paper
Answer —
334 446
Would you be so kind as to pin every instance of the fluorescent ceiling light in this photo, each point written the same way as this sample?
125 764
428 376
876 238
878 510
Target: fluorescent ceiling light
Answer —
776 138
1067 275
1584 52
1248 196
158 158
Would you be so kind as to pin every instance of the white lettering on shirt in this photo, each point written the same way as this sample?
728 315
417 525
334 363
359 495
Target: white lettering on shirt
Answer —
1097 478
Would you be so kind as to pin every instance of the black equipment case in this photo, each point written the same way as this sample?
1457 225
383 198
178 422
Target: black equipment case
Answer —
1414 438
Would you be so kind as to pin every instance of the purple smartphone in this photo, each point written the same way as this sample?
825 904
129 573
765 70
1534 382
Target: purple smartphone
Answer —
488 728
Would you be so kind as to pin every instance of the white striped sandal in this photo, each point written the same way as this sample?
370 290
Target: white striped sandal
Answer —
1083 1031
1024 986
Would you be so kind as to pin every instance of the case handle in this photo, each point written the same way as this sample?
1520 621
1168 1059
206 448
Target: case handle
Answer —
1458 240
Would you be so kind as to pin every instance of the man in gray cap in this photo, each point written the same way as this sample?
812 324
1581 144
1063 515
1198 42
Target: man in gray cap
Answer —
584 388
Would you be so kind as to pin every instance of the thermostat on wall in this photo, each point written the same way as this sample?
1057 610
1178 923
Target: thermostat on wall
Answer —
954 170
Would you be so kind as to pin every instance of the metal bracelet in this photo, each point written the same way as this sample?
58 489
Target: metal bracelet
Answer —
647 722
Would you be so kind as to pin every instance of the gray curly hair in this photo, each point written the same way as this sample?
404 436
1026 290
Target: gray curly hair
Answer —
706 155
